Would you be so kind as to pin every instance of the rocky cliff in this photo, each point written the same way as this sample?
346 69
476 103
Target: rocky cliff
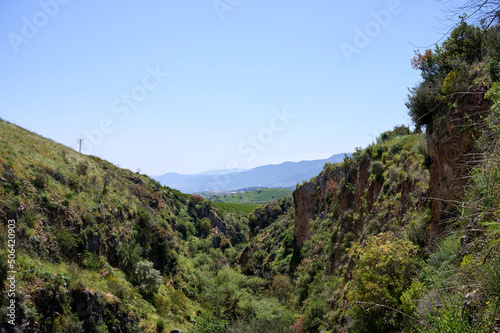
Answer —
451 140
377 190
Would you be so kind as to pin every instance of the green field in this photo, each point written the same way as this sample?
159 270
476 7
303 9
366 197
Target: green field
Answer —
256 197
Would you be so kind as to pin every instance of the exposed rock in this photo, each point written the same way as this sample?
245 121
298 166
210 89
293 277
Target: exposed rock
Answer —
264 216
452 148
91 307
309 200
354 199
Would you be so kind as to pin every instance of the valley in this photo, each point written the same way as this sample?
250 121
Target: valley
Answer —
401 235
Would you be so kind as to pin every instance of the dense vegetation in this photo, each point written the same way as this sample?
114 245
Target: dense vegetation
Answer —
357 249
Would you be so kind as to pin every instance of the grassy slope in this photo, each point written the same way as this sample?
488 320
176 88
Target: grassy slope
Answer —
83 223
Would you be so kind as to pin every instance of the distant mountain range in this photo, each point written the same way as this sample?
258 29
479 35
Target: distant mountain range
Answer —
285 175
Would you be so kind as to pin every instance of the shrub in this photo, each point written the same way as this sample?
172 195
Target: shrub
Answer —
211 324
147 278
281 287
205 226
377 169
384 270
160 325
40 181
81 169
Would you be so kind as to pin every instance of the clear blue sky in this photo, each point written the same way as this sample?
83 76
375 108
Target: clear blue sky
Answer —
190 86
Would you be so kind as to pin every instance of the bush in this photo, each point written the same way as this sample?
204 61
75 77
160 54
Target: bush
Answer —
211 324
40 181
147 278
397 131
81 169
160 325
384 270
377 169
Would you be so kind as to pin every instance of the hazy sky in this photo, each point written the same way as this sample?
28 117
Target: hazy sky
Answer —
190 86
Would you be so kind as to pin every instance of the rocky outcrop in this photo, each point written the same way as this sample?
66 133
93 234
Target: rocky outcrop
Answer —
198 208
265 215
91 307
360 199
314 198
452 151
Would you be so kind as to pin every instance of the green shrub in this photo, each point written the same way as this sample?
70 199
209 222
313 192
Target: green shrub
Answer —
40 181
377 169
161 325
81 169
384 270
211 324
147 278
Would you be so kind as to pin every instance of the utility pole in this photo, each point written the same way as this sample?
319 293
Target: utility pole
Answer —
80 142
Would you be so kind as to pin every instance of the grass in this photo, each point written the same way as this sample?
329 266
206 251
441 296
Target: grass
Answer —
261 196
236 207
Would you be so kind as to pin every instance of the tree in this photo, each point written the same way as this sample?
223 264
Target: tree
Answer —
477 11
465 62
148 279
384 270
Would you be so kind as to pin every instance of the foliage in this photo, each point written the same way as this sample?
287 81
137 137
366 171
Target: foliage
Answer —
149 257
461 62
384 269
148 279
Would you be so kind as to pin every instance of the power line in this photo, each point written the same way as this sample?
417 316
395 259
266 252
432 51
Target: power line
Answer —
80 142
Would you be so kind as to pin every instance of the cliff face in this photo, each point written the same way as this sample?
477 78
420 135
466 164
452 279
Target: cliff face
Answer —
452 152
309 199
376 191
316 198
263 216
352 188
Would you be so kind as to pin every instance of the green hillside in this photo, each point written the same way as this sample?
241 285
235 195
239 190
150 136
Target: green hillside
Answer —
260 196
139 254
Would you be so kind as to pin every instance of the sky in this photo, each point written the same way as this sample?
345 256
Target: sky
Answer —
190 86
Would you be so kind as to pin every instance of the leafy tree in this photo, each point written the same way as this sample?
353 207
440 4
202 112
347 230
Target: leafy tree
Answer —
384 270
449 68
148 279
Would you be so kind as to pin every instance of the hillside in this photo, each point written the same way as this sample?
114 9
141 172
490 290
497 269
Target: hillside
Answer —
402 236
284 175
102 248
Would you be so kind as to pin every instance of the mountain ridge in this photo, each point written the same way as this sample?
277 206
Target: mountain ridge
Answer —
285 175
